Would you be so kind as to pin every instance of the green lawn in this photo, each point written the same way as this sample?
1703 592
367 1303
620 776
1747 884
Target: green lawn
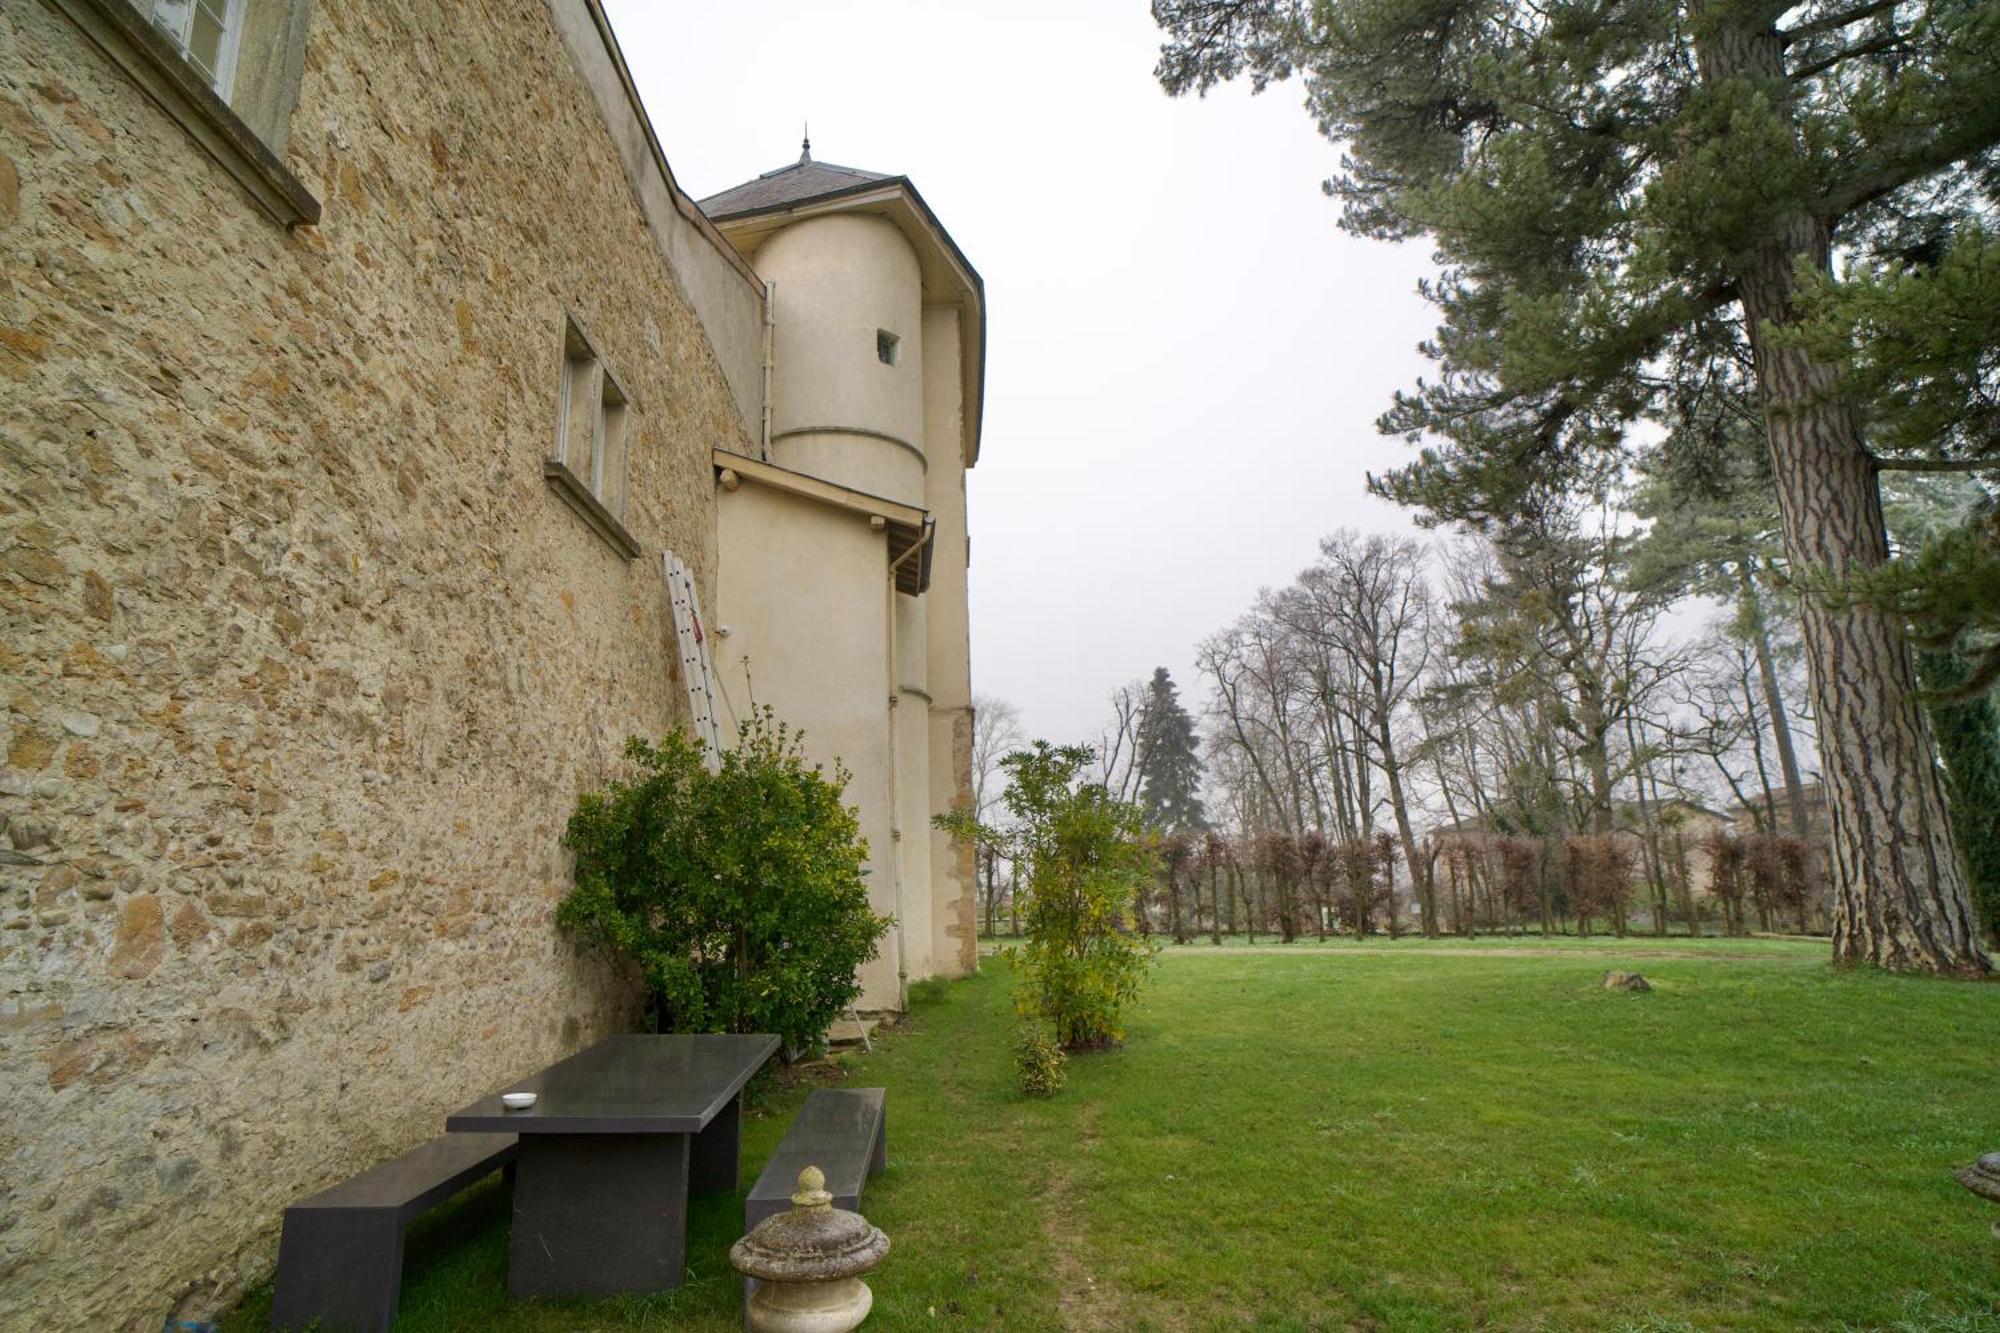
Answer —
1399 1136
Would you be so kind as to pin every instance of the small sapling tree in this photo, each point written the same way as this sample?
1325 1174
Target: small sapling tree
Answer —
1086 860
738 893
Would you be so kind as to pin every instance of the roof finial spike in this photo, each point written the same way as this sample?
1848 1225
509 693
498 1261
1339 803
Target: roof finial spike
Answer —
806 145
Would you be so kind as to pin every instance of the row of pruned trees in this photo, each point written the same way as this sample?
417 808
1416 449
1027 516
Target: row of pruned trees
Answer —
1724 882
1308 886
1271 883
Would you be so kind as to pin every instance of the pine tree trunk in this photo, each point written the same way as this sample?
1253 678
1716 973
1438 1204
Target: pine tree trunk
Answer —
1900 896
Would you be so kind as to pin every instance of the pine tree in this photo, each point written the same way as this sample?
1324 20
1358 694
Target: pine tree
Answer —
1170 790
1630 197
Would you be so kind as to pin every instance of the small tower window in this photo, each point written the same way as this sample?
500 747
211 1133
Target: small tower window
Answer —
887 347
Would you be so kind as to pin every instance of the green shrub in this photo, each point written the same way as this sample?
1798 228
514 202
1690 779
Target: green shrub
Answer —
738 893
1041 1064
1086 862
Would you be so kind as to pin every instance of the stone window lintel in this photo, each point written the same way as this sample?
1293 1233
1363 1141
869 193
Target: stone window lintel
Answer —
130 41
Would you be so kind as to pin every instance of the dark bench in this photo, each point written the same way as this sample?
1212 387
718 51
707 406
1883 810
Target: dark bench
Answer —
340 1259
842 1131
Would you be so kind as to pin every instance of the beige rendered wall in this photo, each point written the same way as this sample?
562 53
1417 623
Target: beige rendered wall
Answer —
837 411
802 591
954 943
302 662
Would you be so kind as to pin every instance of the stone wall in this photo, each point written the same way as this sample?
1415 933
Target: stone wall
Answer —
304 662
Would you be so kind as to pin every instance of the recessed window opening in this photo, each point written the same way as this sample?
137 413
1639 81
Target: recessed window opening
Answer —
208 33
887 347
591 422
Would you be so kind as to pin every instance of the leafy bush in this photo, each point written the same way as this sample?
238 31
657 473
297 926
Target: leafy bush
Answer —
1086 865
738 893
1041 1064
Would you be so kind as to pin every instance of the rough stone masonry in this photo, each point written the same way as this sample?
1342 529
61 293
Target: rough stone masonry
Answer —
303 661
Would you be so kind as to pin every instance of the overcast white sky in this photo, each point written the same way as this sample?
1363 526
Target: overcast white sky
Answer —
1186 358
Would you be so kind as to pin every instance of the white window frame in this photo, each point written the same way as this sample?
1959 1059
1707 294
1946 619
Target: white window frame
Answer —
175 18
244 128
591 465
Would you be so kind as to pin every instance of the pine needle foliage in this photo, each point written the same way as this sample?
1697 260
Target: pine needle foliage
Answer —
1968 734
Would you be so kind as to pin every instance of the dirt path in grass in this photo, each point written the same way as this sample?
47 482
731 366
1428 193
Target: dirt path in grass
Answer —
1088 1301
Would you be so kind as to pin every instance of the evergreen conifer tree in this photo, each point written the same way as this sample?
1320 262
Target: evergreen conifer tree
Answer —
1629 198
1170 786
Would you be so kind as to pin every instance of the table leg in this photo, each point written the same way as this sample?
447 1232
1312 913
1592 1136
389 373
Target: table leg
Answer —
718 1152
597 1214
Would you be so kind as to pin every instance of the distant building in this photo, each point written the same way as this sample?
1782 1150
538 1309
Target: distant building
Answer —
1683 828
1774 815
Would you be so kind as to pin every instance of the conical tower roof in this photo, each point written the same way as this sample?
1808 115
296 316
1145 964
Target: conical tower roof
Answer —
749 214
803 180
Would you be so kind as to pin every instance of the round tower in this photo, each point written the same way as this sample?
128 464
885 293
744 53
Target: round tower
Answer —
847 381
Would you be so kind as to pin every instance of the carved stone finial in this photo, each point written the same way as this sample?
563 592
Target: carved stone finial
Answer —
811 1192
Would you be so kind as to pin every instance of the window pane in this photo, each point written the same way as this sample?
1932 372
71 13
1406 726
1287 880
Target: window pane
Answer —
610 481
205 41
172 16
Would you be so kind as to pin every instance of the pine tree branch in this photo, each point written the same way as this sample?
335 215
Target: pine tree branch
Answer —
1835 21
1963 138
1887 41
1937 464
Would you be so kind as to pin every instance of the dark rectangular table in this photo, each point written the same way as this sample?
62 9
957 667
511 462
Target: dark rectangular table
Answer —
618 1136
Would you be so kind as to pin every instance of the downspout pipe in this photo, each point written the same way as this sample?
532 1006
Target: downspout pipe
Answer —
770 356
895 755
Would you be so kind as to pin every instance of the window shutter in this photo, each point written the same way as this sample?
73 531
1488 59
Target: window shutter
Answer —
696 669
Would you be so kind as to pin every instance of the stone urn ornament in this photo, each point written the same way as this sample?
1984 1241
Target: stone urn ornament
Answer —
808 1263
1983 1179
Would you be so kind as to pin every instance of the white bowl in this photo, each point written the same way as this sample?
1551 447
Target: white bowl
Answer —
517 1101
